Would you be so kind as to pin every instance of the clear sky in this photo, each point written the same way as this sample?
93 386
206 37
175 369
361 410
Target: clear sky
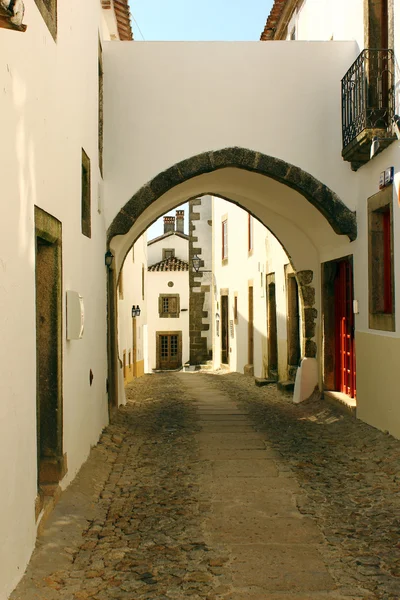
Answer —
201 20
205 20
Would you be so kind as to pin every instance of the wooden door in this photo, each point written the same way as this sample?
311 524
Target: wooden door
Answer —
169 350
251 327
272 330
344 330
293 321
224 329
134 350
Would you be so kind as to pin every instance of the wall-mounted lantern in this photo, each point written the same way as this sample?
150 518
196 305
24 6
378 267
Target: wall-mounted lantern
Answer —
135 311
109 258
196 263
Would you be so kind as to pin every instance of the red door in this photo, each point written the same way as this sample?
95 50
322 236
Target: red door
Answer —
344 324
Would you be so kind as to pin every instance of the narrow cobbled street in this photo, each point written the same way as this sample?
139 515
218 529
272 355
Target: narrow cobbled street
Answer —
207 487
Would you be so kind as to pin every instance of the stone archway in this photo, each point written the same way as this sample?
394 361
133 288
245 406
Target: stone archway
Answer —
340 218
338 215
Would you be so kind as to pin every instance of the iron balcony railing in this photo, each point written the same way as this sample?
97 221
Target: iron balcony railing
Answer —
368 93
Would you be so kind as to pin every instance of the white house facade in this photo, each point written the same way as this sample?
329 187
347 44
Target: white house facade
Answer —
168 296
132 315
252 277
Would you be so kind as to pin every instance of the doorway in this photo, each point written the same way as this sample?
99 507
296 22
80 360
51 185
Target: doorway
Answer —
134 350
293 324
272 329
250 358
225 329
169 350
51 463
338 327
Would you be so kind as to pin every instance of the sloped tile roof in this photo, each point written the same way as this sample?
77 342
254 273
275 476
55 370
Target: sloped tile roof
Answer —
273 20
123 16
170 264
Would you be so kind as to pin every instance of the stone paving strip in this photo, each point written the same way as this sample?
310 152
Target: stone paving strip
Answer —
206 487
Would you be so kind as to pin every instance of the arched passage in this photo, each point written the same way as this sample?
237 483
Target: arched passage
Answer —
307 217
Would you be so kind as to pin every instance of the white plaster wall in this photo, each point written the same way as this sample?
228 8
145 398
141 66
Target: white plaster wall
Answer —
242 269
133 294
154 250
330 20
157 283
251 106
49 105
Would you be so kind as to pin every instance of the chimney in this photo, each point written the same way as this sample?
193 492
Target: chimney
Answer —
169 224
180 220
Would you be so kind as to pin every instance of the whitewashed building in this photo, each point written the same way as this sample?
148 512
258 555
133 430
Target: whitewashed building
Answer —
55 385
257 327
132 315
168 296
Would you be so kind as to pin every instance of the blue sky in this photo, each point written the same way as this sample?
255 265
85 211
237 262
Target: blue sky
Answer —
204 20
223 20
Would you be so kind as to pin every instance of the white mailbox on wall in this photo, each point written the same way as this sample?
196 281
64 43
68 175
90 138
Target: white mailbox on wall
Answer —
75 315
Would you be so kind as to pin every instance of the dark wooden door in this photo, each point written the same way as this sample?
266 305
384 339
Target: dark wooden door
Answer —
169 351
293 329
224 329
251 327
344 330
134 343
272 330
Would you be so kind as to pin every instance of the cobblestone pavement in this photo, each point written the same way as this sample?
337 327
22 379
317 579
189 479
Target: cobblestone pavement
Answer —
184 498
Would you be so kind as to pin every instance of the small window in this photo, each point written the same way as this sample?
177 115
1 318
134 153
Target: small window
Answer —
168 253
250 233
225 239
168 305
142 281
86 193
381 268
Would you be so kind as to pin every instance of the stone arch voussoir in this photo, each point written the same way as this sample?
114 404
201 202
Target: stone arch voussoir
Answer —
340 217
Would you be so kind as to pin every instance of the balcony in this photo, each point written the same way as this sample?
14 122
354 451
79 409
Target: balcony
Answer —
367 105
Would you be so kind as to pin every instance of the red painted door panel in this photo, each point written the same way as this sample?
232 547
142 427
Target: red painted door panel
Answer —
344 323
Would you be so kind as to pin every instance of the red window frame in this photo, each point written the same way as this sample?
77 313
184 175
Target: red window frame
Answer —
387 262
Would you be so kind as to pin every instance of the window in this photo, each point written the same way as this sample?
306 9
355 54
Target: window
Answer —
250 233
168 253
225 239
381 272
168 306
48 10
142 281
85 193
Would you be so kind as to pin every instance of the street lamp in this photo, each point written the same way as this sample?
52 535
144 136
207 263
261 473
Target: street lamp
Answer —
109 258
196 263
135 311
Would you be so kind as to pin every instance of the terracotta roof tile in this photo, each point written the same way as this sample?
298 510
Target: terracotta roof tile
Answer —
273 20
123 16
170 264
